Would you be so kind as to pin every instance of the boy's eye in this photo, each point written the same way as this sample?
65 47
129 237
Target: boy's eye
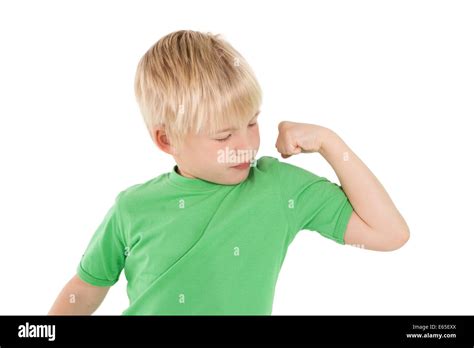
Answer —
227 137
224 139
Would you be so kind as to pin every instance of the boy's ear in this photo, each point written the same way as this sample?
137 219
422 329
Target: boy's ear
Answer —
162 141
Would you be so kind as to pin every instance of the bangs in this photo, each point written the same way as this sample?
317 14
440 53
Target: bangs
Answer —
231 106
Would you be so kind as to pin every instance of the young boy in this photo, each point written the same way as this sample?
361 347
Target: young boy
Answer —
210 236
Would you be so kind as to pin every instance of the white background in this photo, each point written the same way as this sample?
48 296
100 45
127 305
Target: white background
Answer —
395 79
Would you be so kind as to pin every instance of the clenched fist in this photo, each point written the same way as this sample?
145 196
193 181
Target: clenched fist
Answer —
294 138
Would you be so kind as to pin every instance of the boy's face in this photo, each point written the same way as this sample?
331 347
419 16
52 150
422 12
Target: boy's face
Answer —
213 157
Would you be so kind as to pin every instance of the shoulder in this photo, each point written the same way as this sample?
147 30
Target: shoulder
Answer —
287 171
140 192
266 163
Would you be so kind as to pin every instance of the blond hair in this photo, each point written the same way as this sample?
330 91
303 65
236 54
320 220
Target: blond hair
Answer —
190 81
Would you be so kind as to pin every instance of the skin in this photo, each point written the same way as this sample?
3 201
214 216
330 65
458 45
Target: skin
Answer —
375 224
198 157
78 298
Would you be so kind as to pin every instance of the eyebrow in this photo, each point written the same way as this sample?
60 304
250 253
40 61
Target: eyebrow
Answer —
229 129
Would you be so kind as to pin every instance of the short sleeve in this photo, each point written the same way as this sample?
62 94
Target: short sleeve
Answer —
104 257
313 203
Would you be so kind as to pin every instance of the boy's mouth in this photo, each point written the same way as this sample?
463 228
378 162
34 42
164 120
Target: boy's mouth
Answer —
241 166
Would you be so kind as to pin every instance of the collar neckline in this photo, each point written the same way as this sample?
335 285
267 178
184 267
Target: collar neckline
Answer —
191 183
196 183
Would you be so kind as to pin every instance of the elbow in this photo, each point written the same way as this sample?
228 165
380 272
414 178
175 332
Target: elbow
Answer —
399 239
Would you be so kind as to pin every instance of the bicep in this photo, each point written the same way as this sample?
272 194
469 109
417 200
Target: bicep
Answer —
78 298
360 234
93 294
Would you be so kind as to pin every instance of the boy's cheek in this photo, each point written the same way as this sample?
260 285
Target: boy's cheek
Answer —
208 153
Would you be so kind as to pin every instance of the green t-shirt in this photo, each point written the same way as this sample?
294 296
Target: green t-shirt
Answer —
193 247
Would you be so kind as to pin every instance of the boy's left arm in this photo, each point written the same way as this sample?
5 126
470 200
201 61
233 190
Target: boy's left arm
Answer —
375 224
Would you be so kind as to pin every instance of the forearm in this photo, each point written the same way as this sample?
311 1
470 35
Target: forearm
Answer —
367 195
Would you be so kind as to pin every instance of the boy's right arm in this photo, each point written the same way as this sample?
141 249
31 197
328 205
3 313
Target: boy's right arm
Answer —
78 298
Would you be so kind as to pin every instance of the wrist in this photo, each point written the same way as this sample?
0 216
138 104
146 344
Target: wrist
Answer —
329 139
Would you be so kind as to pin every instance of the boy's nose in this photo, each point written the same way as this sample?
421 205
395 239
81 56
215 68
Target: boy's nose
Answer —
244 154
242 142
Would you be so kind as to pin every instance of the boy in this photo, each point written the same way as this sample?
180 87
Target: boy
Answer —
210 236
